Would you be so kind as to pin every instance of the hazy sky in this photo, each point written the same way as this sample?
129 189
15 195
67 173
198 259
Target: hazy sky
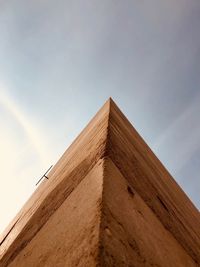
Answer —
61 60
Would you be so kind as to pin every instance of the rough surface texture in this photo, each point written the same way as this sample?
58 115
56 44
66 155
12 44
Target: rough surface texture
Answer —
71 235
131 235
144 219
152 181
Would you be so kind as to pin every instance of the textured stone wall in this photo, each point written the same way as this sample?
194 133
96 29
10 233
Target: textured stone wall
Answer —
108 202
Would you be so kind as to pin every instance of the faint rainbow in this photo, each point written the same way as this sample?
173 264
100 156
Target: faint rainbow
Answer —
33 135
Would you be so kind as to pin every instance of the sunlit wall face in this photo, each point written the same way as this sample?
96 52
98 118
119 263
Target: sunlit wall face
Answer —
61 60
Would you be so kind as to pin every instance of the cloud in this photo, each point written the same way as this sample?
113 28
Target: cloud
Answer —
34 136
23 156
180 141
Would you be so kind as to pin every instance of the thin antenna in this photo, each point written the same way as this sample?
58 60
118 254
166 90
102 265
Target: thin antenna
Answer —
44 175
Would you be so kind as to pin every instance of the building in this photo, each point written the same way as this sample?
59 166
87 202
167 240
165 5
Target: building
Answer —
108 202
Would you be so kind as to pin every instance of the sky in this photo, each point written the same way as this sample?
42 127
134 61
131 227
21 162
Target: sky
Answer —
61 60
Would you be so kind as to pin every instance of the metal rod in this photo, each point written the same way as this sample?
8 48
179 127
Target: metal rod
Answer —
44 175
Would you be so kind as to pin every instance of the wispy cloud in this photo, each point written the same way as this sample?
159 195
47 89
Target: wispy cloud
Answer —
23 156
33 134
180 140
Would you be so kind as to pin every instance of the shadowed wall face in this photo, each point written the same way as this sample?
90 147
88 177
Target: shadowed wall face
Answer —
131 233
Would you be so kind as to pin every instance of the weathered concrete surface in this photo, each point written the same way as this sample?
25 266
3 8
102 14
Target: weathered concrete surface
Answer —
174 216
131 234
71 235
152 181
